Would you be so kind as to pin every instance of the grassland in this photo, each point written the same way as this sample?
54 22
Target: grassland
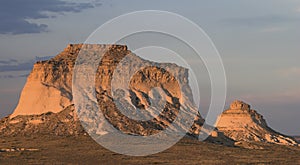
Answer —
83 150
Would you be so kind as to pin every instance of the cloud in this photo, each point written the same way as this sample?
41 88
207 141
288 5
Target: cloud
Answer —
290 96
10 61
15 65
273 29
260 20
10 76
15 14
298 10
292 71
22 66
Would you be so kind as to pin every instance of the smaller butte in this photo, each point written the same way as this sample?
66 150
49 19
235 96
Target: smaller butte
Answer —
241 123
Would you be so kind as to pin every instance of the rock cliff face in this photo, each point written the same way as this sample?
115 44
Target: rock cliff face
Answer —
241 123
48 87
46 102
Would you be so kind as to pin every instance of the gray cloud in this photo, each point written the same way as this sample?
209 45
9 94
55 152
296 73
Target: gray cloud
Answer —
23 66
13 76
14 14
260 20
15 65
10 61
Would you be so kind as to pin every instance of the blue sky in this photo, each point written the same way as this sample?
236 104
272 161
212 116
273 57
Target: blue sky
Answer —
258 42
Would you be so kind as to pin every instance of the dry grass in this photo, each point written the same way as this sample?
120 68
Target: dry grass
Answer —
83 150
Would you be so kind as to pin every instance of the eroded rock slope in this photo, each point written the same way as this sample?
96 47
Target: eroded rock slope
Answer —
243 124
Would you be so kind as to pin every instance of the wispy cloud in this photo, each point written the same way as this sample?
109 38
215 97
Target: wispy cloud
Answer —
9 76
258 20
288 97
270 23
16 65
292 71
298 10
15 14
273 29
10 61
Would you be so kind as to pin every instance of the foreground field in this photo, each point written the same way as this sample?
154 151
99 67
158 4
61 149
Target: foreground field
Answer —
83 150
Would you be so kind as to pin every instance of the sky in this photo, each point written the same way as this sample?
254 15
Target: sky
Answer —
257 40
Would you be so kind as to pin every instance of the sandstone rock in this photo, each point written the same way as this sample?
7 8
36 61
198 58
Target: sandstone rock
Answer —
17 149
45 104
241 123
248 145
62 123
239 105
48 87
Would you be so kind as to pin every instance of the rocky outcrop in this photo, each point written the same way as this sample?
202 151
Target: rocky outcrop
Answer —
63 123
46 103
48 86
243 124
